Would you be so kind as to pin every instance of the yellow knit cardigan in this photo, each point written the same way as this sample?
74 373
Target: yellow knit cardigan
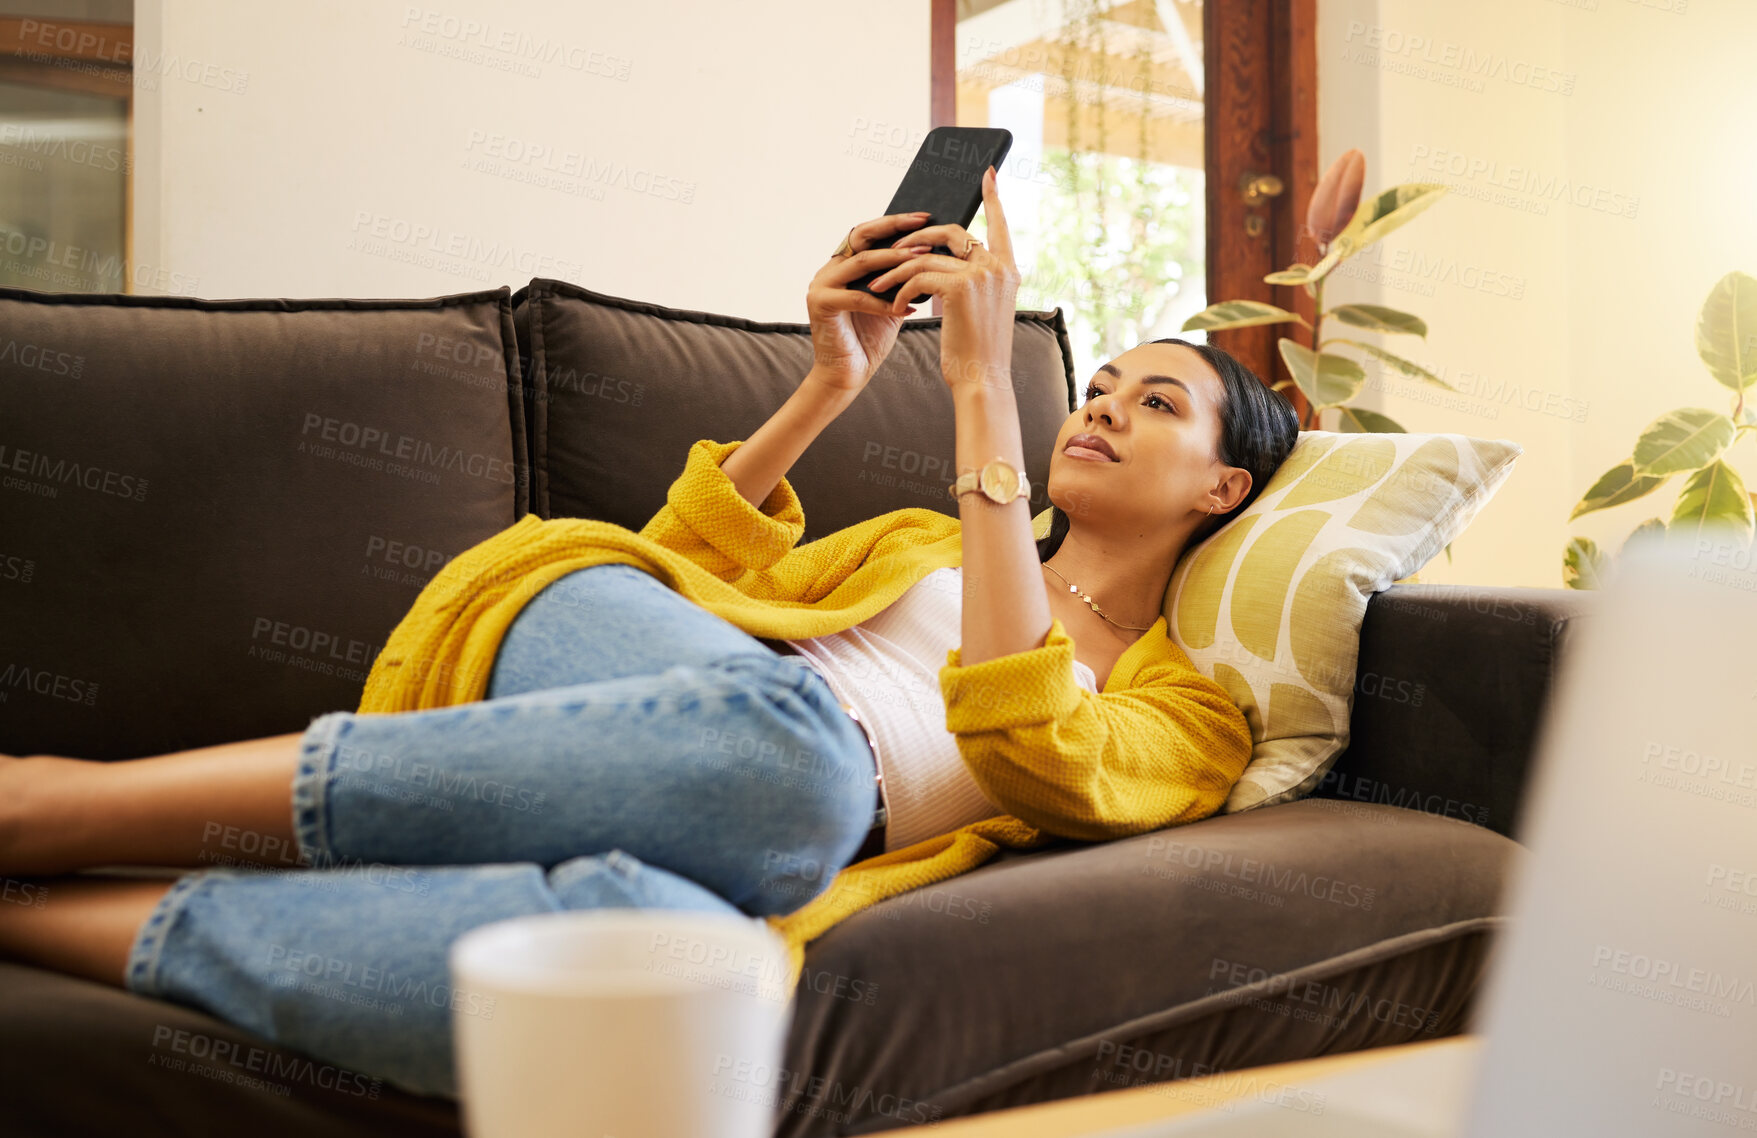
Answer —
1161 745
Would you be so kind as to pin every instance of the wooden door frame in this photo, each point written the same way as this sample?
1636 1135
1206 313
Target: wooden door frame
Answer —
1260 59
1261 107
943 65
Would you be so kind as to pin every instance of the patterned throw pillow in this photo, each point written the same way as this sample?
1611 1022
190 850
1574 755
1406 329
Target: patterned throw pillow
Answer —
1270 605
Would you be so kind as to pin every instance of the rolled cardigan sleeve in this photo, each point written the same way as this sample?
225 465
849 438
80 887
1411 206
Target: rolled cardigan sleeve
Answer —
1094 766
707 520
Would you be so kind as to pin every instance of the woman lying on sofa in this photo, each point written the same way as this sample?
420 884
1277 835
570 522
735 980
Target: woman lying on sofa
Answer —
703 715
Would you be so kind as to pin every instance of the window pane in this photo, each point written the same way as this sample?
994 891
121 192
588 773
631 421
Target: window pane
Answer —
1103 187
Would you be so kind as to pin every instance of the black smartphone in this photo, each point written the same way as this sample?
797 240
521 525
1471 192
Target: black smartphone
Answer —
945 179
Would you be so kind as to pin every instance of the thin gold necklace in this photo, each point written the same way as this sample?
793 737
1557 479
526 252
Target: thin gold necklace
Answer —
1074 589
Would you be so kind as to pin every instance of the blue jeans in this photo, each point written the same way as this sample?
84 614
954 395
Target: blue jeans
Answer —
633 751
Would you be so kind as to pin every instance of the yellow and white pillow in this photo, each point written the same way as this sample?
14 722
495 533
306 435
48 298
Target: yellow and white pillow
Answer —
1270 605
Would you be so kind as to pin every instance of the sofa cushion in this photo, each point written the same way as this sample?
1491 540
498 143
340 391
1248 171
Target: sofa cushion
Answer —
218 509
1460 679
1270 605
619 389
1237 941
117 1063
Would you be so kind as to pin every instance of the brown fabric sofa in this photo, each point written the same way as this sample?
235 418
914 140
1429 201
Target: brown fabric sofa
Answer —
215 511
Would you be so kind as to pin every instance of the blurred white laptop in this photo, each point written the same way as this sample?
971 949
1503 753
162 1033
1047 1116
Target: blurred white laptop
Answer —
1623 1002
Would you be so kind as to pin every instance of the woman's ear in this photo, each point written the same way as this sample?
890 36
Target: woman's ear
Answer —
1231 489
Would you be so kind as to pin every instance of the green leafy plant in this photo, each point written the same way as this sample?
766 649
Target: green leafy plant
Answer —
1342 226
1691 441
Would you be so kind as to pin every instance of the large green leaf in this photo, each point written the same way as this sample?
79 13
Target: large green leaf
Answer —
1326 379
1653 526
1714 497
1302 364
1240 314
1376 217
1616 486
1393 209
1378 318
1407 367
1726 332
1358 420
1583 565
1685 439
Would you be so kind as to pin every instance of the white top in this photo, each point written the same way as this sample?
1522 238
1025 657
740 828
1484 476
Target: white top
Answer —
887 668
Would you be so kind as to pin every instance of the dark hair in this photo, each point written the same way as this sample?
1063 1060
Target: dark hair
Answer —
1258 428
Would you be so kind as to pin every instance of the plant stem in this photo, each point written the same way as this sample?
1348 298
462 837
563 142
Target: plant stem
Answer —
1317 345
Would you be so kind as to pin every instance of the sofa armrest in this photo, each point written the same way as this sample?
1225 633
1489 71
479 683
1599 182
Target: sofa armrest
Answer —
1450 691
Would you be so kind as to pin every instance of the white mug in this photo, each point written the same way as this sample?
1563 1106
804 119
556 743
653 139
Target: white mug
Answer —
620 1023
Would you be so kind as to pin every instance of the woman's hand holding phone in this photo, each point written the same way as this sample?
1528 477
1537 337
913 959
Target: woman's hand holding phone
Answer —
978 292
851 334
853 331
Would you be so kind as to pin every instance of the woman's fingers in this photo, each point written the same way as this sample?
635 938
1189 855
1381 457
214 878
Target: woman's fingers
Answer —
953 237
1000 239
918 264
844 269
922 284
868 233
831 299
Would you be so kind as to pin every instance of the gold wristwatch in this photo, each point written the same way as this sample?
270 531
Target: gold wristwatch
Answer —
1000 482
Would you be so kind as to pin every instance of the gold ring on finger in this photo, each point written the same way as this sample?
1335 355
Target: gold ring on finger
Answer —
846 248
969 244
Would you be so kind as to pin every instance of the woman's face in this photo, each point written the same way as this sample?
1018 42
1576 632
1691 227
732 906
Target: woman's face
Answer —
1157 407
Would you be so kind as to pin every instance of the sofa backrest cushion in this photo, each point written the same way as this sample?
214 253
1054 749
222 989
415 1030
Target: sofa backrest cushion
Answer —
619 389
216 511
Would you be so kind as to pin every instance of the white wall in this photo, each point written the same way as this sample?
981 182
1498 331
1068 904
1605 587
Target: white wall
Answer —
335 148
1670 119
703 155
1490 281
1600 170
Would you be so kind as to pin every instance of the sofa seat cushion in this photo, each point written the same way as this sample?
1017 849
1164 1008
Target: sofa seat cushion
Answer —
217 510
105 1061
619 389
1241 940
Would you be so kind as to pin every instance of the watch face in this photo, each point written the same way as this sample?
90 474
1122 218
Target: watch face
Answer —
1000 482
